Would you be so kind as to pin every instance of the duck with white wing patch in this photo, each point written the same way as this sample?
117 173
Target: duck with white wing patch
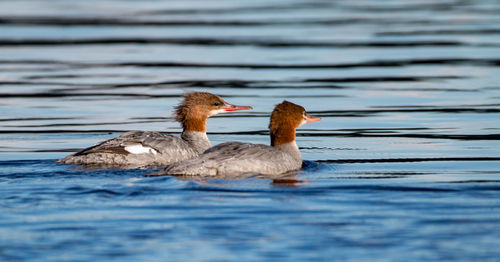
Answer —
146 148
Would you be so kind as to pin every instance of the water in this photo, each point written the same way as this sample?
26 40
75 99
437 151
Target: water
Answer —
404 165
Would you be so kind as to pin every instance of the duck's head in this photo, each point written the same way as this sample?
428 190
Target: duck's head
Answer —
196 107
285 118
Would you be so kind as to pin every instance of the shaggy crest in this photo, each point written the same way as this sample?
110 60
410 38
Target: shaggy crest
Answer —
196 107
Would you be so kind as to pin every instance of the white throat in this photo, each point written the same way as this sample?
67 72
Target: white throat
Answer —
215 112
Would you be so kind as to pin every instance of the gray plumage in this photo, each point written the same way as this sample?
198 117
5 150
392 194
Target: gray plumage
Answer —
234 158
165 149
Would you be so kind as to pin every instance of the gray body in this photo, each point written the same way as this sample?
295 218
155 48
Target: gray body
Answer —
235 158
158 150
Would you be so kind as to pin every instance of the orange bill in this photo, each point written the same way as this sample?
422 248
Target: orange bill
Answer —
310 118
229 107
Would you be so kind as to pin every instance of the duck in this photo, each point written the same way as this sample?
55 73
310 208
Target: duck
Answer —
149 148
237 158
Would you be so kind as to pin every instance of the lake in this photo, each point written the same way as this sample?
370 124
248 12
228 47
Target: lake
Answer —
404 166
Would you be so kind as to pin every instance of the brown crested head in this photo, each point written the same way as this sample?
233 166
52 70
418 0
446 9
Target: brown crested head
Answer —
285 118
196 107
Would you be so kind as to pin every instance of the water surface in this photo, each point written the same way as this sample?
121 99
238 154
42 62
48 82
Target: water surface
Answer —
405 164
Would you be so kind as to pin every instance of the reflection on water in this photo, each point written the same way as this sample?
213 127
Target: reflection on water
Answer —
405 162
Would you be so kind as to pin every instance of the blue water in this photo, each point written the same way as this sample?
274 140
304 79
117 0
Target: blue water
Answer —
404 166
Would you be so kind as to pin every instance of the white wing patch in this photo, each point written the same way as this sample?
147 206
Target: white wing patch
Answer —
140 149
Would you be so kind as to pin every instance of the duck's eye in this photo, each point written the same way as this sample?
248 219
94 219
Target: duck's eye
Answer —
216 104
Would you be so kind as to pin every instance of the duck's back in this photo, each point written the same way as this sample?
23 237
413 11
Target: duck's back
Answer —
233 158
134 149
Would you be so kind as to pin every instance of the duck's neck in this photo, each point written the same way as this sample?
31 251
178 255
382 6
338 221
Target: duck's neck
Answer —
195 134
292 149
284 139
193 124
282 135
197 140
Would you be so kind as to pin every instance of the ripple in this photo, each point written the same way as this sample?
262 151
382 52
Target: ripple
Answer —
405 160
490 31
235 42
160 64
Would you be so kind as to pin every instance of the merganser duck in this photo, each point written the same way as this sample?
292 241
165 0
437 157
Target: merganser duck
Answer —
235 158
139 148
